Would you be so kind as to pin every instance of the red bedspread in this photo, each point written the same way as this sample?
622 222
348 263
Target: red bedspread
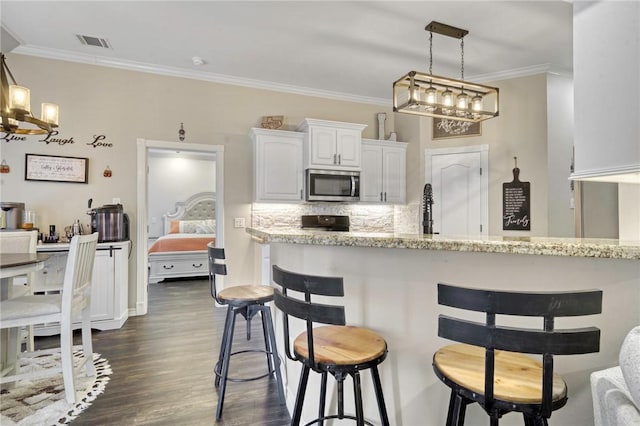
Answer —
182 242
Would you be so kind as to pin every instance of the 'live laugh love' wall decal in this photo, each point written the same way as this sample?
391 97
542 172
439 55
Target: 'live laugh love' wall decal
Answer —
516 203
98 141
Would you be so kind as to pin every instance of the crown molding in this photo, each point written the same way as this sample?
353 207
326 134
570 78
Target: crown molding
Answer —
104 61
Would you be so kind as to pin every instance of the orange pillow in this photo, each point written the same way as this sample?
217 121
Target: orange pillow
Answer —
174 227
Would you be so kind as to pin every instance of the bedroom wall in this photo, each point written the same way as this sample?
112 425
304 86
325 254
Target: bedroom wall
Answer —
174 177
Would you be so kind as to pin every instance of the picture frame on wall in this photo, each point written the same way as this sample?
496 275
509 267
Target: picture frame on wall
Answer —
55 168
447 128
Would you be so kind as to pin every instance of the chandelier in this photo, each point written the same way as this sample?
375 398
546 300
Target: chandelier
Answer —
15 108
434 96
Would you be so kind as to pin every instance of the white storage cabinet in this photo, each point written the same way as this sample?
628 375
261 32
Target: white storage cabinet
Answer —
332 145
278 170
109 289
383 176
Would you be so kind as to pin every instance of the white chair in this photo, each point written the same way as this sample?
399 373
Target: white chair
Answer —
73 303
20 242
616 391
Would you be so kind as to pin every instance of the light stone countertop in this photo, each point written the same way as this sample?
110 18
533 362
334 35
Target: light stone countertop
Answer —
576 247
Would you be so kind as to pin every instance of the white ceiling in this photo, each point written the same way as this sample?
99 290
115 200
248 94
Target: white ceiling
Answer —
350 50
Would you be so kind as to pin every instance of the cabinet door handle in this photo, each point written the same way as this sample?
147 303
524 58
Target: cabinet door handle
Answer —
169 267
339 158
334 159
381 196
196 266
385 197
301 196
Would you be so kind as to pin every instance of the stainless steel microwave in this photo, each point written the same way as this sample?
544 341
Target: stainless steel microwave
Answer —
333 185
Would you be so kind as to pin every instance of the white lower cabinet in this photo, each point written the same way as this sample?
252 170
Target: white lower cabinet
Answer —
109 289
383 176
278 173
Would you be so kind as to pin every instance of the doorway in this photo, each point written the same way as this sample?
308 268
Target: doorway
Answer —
459 179
142 235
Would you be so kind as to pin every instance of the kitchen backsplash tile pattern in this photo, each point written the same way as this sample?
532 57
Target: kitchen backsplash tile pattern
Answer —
364 218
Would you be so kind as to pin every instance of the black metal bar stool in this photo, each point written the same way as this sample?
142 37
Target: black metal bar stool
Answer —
489 366
248 301
333 349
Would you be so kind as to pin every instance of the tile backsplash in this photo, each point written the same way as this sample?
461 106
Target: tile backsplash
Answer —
363 217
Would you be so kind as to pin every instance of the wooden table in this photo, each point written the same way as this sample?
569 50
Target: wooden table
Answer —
14 265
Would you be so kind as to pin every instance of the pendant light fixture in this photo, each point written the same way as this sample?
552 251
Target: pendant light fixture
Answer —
434 96
15 108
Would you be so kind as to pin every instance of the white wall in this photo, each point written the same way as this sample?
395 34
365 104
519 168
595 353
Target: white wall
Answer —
560 212
174 178
606 64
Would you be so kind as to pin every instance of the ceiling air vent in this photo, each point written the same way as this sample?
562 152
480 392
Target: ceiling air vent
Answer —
94 41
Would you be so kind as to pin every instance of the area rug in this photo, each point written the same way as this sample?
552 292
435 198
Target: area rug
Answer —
42 402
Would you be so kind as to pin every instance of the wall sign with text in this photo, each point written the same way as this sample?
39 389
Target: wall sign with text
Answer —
55 168
516 204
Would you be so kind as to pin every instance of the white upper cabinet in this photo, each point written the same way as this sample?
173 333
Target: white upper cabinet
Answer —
278 171
383 175
332 144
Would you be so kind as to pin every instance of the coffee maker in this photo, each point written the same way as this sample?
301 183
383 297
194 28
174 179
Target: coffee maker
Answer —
110 222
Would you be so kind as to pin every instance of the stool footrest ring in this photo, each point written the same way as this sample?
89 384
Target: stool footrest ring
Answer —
335 416
217 367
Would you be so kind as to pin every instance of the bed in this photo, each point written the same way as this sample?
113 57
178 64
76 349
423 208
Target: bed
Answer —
182 251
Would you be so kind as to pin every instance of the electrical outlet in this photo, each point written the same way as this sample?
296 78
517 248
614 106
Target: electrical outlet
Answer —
238 222
115 200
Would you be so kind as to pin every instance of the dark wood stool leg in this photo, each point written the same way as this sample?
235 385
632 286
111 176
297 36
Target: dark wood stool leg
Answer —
357 390
457 410
272 349
323 397
340 379
226 358
382 407
302 388
267 339
223 344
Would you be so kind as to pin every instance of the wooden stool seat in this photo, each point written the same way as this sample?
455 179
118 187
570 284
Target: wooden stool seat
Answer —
246 294
517 377
342 345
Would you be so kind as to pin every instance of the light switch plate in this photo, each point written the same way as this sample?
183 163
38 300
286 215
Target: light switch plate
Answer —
238 222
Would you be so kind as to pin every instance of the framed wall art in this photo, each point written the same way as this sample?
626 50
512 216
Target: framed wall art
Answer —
56 168
447 128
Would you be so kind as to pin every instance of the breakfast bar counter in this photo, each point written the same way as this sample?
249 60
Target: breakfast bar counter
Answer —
391 287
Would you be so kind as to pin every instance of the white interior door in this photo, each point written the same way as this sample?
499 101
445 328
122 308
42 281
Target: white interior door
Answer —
459 181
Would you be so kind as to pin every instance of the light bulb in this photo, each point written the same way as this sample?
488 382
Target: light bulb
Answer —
431 98
447 101
19 98
414 96
462 103
50 113
476 103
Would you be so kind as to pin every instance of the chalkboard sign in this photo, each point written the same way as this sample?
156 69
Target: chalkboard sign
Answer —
516 204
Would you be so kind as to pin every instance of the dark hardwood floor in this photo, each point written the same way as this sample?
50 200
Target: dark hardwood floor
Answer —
163 363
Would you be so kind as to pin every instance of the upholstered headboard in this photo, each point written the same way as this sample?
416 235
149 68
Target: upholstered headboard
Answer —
200 206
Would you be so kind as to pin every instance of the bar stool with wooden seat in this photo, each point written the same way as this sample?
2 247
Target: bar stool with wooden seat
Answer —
333 349
248 301
489 366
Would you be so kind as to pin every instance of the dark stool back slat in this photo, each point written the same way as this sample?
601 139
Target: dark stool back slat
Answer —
546 341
